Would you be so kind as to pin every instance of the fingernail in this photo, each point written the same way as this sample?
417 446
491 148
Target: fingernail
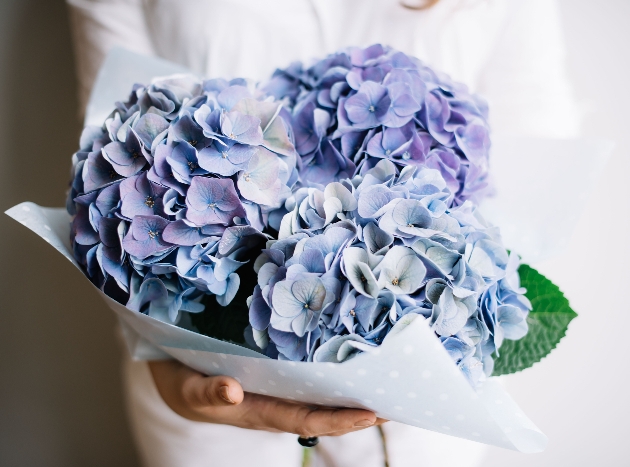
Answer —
224 392
363 423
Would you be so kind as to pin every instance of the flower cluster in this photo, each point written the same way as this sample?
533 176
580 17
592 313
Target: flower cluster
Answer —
359 106
352 260
365 165
174 190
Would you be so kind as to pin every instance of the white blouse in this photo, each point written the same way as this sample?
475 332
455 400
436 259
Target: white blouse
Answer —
510 51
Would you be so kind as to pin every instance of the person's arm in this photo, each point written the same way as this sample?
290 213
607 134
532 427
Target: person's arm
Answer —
99 25
525 78
220 399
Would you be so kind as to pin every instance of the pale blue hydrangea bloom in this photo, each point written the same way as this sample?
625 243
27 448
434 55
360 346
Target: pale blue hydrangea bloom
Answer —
353 259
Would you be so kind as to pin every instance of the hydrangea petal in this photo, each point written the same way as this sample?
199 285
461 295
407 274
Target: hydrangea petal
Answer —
259 181
212 201
242 128
233 283
145 236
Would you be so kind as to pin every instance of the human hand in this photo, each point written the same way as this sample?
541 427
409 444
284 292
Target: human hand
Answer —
221 399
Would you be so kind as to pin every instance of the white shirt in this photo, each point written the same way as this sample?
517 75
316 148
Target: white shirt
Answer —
510 51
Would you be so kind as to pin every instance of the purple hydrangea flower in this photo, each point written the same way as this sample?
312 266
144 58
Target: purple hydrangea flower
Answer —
145 236
212 201
241 128
141 197
227 158
367 108
184 162
172 193
376 103
125 157
97 172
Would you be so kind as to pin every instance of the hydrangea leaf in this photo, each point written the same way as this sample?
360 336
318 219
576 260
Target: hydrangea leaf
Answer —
548 322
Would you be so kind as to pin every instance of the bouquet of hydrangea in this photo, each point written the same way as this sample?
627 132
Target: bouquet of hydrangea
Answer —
321 226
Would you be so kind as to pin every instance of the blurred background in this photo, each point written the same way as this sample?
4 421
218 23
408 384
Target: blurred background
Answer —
60 397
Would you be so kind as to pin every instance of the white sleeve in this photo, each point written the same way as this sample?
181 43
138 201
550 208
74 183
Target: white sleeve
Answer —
525 79
99 25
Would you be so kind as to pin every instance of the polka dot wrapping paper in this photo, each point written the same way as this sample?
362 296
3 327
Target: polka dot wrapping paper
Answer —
409 379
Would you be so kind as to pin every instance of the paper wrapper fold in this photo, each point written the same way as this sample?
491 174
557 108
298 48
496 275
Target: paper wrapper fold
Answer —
409 379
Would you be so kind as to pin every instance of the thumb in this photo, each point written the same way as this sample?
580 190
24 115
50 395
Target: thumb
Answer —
216 391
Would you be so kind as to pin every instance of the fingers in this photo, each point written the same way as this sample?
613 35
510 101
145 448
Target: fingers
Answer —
337 421
201 391
193 395
326 421
220 399
379 421
308 421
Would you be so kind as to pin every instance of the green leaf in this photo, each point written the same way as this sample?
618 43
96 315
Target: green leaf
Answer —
548 321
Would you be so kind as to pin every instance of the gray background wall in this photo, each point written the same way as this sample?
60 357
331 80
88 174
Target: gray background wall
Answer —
60 399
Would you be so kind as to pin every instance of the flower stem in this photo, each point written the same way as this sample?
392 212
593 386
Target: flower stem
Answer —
307 454
384 442
306 457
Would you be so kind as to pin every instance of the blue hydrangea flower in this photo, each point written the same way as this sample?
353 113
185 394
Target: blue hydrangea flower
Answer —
140 197
225 158
145 236
172 193
355 260
126 157
299 303
368 107
213 201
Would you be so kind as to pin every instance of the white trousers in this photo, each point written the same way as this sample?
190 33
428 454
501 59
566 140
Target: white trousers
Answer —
165 439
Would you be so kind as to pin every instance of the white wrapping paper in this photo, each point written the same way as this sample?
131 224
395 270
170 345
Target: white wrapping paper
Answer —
542 187
409 379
